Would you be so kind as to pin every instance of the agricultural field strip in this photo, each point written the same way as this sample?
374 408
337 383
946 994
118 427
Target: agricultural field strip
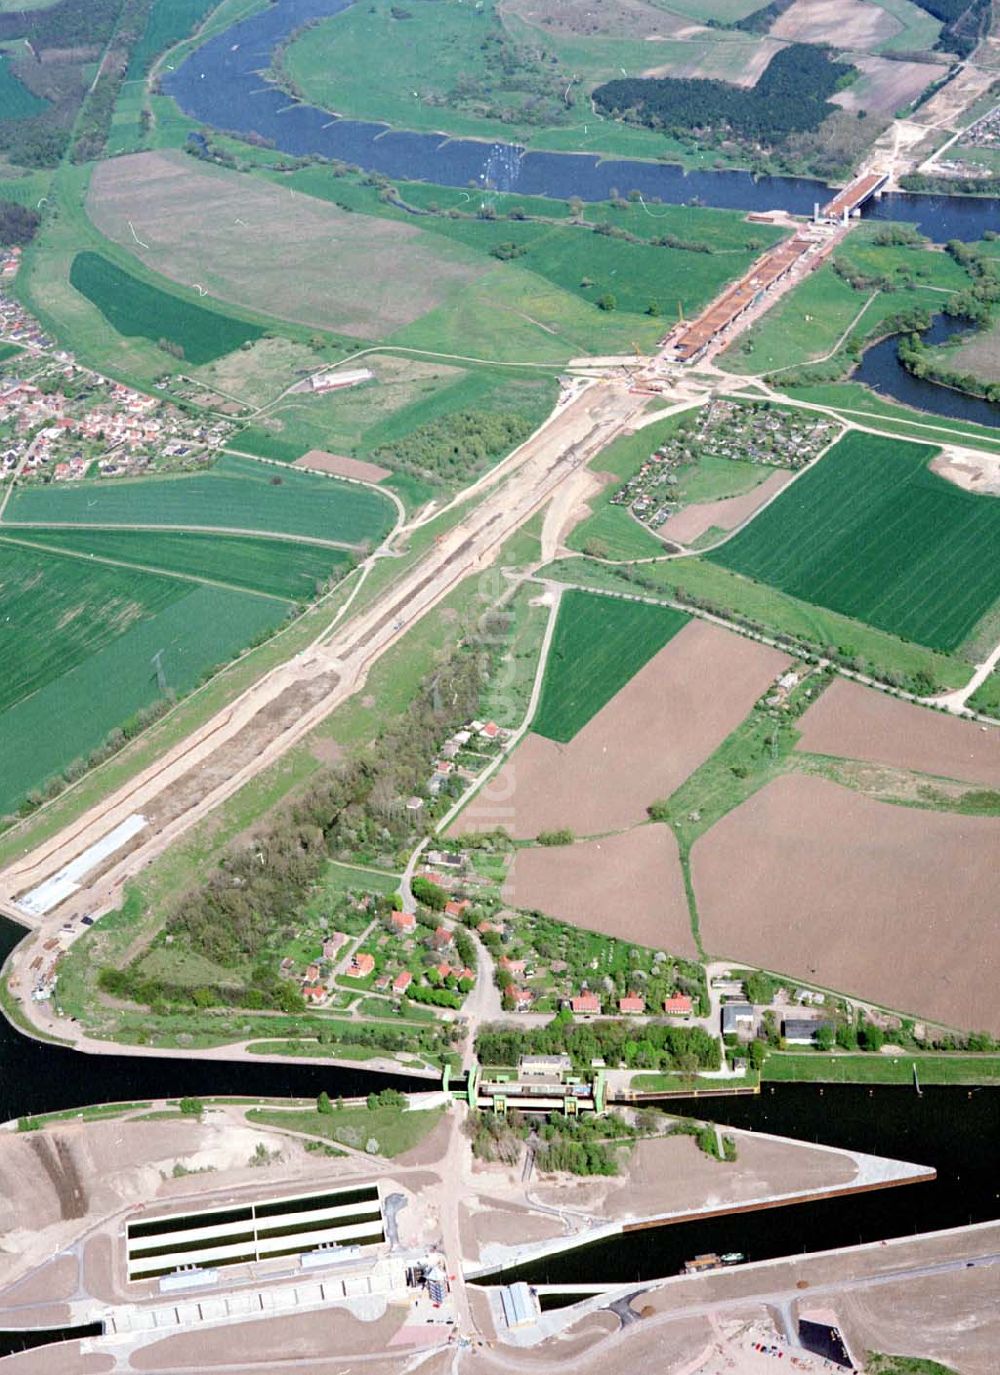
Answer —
7 524
141 568
615 639
835 558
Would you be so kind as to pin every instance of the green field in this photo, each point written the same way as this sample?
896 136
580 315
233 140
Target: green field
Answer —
139 310
82 661
810 322
235 494
16 101
395 1131
169 21
278 568
598 645
872 533
636 274
765 606
881 1069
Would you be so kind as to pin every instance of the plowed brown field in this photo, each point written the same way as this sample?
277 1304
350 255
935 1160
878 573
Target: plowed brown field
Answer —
889 903
726 513
640 747
628 885
854 722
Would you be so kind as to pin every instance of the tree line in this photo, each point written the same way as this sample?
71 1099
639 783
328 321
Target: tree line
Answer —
646 1045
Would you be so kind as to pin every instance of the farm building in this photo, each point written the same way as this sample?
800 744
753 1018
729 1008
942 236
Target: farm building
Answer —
738 1019
802 1031
404 921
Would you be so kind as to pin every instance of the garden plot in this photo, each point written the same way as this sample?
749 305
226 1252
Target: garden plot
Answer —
639 748
629 886
891 904
854 722
278 253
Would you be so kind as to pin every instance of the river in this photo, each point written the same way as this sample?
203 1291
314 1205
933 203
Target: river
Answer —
881 370
221 85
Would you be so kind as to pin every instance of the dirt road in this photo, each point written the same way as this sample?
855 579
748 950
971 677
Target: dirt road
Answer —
210 765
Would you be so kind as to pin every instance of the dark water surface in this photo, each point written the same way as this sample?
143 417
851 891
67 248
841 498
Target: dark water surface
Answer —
952 1129
881 370
221 85
37 1077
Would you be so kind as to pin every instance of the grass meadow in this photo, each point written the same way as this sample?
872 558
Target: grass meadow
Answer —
16 101
236 494
598 645
275 568
86 637
136 308
871 533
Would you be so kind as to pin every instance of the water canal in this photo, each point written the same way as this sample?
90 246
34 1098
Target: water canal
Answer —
952 1129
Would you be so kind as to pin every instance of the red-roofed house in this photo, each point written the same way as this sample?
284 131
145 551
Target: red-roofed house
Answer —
512 966
382 982
455 908
404 921
632 1003
332 944
361 966
466 973
314 993
486 926
442 937
520 997
402 982
585 1004
678 1005
312 973
491 730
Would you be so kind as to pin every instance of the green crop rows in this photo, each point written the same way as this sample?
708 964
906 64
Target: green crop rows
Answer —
872 533
86 637
137 309
277 567
598 645
235 494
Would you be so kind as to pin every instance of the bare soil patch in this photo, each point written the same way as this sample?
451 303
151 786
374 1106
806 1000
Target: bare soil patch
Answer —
854 722
53 1282
506 1224
284 1338
72 1361
970 468
741 62
585 18
670 1175
249 242
321 462
885 86
628 885
844 23
952 1318
638 748
891 904
688 524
